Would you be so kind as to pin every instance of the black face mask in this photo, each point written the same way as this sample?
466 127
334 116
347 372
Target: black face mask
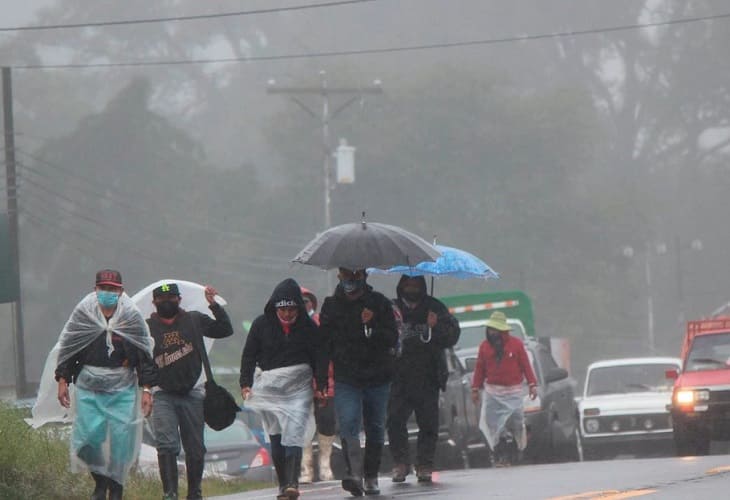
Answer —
167 309
412 296
497 342
352 286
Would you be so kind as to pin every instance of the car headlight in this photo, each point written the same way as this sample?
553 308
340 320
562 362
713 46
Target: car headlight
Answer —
687 397
592 425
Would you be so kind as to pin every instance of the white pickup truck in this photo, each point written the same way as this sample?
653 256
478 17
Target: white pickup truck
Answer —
624 407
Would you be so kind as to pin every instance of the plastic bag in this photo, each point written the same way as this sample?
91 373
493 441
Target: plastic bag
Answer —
284 399
502 410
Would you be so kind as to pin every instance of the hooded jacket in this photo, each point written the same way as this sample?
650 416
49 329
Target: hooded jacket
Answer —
359 360
422 361
269 347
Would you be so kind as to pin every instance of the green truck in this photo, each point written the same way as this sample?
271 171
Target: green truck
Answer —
472 312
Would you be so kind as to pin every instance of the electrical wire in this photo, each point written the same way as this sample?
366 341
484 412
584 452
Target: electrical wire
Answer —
384 50
153 235
114 196
196 17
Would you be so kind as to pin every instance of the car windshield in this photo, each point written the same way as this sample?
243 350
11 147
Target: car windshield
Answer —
473 335
709 352
237 432
625 379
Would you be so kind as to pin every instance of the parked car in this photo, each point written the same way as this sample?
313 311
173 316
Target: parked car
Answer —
233 452
551 419
624 407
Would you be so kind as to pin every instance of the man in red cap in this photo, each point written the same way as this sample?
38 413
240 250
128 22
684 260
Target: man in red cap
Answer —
105 349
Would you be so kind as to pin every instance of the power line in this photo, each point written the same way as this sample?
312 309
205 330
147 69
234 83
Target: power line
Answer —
109 193
196 17
248 264
385 50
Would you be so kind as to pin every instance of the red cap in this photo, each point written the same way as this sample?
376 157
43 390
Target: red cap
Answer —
109 277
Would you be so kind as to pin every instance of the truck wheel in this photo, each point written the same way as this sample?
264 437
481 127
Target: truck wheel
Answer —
702 443
690 441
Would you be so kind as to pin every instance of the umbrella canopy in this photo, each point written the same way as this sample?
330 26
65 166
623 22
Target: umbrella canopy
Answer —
366 244
452 262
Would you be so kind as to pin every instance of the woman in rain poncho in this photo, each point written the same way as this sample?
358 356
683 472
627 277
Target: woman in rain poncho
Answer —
283 342
105 349
502 366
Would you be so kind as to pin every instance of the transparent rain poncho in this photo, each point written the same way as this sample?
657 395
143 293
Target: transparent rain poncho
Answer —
283 397
502 410
105 402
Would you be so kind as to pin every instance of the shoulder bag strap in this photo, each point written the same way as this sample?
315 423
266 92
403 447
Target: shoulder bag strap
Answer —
198 334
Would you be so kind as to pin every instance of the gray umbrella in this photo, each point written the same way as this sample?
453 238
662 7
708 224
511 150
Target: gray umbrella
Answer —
366 244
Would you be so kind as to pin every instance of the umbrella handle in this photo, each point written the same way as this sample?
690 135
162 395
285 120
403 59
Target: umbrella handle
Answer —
428 337
367 330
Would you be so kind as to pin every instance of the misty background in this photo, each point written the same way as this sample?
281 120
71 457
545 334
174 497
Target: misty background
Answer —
571 164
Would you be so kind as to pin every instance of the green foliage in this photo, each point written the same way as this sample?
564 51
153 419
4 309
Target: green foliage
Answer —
34 465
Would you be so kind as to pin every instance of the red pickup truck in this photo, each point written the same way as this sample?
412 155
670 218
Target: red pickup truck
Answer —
700 406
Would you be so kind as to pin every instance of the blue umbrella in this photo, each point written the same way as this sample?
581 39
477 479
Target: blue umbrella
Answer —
452 262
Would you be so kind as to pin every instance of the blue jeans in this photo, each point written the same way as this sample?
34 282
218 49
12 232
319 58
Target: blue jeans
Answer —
363 407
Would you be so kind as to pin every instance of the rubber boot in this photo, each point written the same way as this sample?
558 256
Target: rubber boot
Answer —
102 484
116 490
306 475
292 467
325 455
168 475
194 471
277 456
352 453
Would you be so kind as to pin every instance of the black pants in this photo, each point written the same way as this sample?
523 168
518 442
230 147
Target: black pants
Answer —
324 416
424 401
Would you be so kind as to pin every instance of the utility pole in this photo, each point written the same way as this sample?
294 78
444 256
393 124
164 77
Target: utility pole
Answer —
12 195
325 92
649 298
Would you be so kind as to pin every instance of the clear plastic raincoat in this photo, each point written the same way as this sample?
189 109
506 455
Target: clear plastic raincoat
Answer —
284 399
105 402
502 410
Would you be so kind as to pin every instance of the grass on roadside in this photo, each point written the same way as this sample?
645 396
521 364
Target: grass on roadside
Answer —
34 464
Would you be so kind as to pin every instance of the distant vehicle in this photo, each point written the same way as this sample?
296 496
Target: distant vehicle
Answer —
700 405
551 419
624 407
232 452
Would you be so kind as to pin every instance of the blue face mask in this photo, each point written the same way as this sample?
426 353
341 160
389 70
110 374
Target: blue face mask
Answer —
107 299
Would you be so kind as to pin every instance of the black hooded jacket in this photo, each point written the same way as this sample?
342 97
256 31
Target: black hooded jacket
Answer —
269 347
359 360
422 362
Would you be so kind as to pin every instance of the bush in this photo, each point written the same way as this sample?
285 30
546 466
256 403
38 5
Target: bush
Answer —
35 465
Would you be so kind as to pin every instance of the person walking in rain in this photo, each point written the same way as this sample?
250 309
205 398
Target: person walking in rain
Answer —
177 414
283 342
324 415
427 329
105 349
359 330
502 366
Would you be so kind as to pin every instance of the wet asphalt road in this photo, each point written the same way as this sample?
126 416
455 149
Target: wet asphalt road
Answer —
658 478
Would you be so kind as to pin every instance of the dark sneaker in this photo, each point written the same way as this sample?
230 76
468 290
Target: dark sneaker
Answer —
353 486
400 471
424 474
371 486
